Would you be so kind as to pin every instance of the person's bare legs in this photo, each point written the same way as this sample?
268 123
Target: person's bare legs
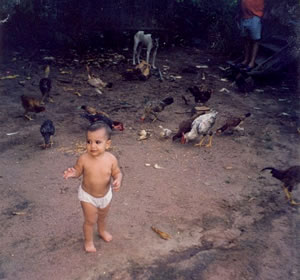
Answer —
90 213
247 46
102 214
253 54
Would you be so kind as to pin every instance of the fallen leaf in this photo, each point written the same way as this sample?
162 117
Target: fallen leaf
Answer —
162 234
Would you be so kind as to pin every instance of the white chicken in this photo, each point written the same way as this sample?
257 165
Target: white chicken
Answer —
201 126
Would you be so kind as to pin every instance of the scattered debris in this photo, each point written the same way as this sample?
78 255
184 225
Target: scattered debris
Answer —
18 213
201 66
156 166
12 133
224 90
224 80
165 133
162 234
148 164
259 90
143 135
224 68
9 77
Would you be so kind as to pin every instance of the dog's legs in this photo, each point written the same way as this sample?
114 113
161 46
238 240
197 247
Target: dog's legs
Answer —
139 53
136 42
154 57
149 48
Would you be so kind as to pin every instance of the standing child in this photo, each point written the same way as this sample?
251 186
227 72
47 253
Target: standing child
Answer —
98 167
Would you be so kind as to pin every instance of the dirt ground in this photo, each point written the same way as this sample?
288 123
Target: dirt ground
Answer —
227 220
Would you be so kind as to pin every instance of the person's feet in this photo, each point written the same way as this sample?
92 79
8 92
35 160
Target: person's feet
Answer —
89 247
106 236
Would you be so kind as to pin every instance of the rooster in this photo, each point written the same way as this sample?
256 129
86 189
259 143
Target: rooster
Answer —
45 86
202 94
31 104
156 106
290 178
98 117
184 127
47 130
201 126
232 124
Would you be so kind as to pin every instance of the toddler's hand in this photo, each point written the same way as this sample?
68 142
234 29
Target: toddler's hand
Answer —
70 172
116 185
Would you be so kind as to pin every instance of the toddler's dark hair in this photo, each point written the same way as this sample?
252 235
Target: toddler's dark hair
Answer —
100 125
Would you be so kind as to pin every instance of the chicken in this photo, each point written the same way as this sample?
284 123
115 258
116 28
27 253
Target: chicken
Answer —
31 104
184 127
45 86
290 178
202 94
156 106
98 117
232 124
201 126
47 130
93 111
97 82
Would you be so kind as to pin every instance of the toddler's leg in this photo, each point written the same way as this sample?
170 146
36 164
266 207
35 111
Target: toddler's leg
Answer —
102 214
90 213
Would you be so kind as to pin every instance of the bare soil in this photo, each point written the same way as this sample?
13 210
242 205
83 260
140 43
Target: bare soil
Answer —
226 219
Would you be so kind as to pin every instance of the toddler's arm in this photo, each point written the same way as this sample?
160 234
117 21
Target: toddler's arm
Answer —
116 175
75 171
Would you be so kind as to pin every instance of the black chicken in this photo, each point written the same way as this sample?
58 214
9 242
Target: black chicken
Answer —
202 94
290 177
102 118
45 86
153 107
47 130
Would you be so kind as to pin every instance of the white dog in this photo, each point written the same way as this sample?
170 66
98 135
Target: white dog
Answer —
140 38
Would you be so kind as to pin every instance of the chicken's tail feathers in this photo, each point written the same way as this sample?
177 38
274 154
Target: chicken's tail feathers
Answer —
168 100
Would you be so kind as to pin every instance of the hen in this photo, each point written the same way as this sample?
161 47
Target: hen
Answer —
184 127
153 107
232 124
202 94
45 86
97 82
31 104
290 178
47 130
98 117
201 126
93 111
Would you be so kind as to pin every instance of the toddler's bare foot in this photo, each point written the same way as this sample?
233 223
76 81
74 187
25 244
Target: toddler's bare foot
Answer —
89 247
106 236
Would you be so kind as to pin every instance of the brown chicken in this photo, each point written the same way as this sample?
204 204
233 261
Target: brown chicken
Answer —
45 86
290 178
93 111
156 106
201 94
232 123
31 104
